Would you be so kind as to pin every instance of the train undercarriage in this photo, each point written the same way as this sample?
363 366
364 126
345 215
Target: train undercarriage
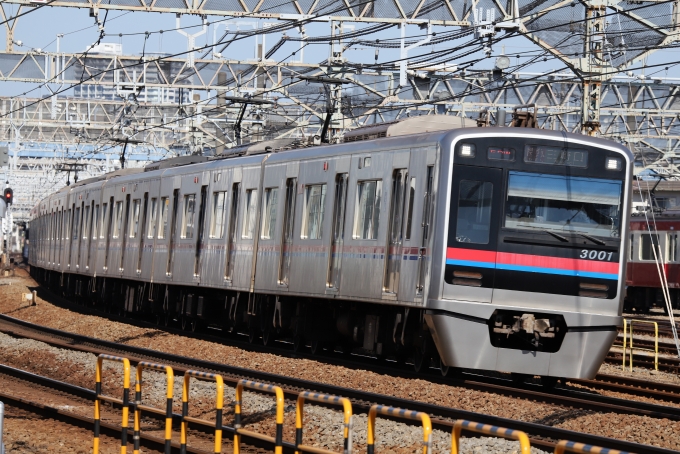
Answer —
643 299
382 331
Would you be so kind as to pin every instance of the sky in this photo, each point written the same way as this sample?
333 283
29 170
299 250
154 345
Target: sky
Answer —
39 29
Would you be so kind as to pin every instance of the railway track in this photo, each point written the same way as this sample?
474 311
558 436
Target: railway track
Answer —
68 417
671 365
665 329
248 444
542 435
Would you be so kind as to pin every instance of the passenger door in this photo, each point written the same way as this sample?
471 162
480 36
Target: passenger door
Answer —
473 233
395 231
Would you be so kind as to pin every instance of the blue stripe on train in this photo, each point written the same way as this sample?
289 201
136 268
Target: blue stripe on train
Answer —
533 269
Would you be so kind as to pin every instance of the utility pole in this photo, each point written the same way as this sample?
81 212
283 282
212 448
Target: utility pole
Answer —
221 110
336 66
593 67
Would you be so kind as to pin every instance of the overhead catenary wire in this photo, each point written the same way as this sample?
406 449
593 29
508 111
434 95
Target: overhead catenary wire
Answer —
660 262
402 106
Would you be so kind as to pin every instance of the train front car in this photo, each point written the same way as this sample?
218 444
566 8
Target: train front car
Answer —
527 274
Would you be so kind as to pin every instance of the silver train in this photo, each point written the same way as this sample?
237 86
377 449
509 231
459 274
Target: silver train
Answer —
482 248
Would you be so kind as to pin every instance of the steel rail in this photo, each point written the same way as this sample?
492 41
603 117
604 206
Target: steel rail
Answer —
362 400
85 422
665 364
667 348
564 397
68 417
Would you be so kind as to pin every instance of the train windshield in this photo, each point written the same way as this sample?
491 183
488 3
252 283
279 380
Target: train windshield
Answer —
563 203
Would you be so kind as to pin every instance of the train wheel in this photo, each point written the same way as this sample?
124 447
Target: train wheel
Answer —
298 343
443 368
518 379
346 348
548 382
252 334
315 347
167 318
267 336
184 322
421 358
158 318
194 324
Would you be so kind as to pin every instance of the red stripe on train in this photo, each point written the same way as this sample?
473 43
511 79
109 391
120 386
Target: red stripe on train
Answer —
539 261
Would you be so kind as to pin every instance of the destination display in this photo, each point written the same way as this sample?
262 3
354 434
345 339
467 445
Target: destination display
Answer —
501 154
540 154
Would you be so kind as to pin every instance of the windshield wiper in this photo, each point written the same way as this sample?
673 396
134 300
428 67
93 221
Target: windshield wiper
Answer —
594 240
557 235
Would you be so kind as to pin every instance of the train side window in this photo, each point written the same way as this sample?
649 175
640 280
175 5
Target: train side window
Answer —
95 222
218 212
648 245
102 233
135 218
188 218
173 232
232 232
632 246
76 223
367 212
153 215
86 222
672 247
473 222
67 226
118 219
107 233
409 211
312 218
249 214
269 207
58 226
287 230
165 206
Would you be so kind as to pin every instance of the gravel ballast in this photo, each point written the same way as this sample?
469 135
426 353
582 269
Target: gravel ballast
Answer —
423 390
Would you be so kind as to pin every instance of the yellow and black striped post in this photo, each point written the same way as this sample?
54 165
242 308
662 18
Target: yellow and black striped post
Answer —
487 429
125 402
582 448
280 404
398 413
219 402
170 377
329 399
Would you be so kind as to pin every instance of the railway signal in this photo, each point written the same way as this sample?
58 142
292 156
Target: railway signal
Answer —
8 195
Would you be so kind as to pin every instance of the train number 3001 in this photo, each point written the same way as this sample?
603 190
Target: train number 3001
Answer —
596 255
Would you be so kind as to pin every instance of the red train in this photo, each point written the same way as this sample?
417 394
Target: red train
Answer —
643 279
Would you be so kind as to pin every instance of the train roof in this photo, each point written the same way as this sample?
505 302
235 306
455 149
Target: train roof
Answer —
407 126
399 138
103 177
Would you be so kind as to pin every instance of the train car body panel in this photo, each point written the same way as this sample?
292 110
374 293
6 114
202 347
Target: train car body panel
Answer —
653 256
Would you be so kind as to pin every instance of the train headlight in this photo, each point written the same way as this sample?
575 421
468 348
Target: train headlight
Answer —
467 150
613 164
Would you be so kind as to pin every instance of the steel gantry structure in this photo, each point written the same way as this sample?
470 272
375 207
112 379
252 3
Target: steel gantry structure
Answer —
222 100
632 109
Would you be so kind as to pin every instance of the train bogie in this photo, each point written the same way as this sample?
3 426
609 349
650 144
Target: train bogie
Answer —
486 249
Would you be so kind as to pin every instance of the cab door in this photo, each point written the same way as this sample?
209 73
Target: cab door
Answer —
475 209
